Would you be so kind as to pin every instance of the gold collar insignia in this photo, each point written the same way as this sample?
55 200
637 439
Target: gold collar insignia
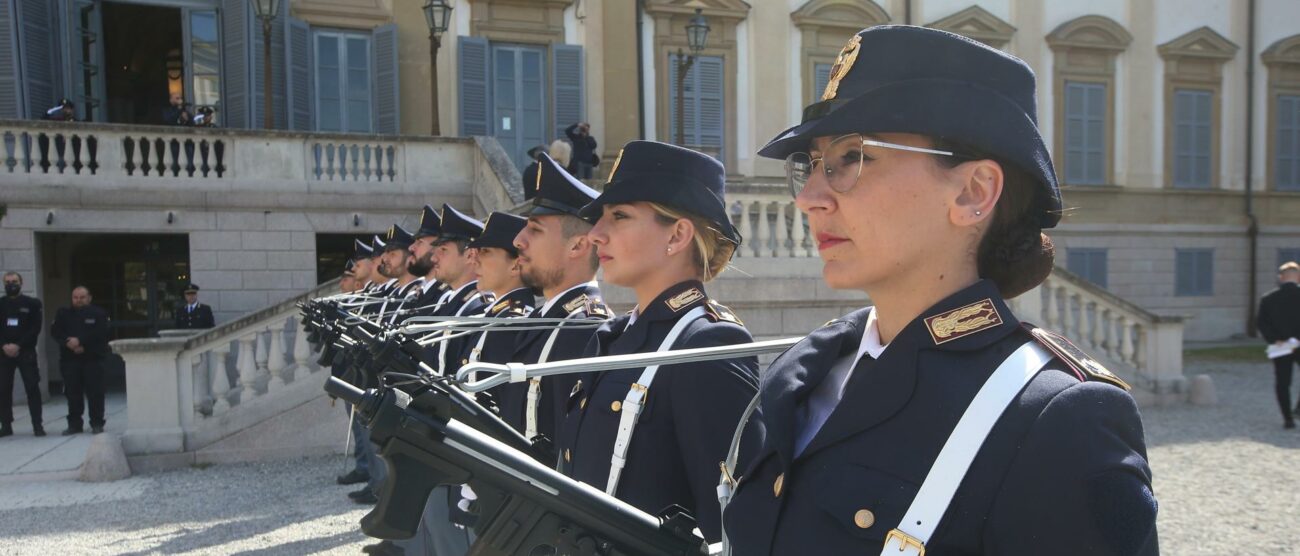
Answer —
843 63
576 303
685 298
963 321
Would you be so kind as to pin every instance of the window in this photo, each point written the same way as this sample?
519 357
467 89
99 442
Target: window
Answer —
1089 264
1194 272
1287 146
1193 112
702 103
821 78
205 59
1085 133
343 82
1288 254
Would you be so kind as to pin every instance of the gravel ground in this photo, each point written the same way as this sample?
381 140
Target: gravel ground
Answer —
1227 477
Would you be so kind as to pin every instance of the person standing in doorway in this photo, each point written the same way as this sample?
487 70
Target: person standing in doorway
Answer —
194 315
18 333
1279 323
584 150
82 333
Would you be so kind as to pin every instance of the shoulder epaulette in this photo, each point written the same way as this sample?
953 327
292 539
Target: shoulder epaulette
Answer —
597 308
1080 362
720 312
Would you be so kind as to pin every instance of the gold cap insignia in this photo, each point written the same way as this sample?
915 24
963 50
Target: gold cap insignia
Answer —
613 170
540 169
391 231
963 321
843 63
1076 358
685 298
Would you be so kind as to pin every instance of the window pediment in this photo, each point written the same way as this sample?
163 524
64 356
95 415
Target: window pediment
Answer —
1285 51
725 9
1201 43
854 14
1093 32
978 24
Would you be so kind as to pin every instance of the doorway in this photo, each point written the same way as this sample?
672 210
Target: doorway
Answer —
519 99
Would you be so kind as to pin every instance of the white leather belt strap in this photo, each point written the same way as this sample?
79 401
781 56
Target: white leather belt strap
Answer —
442 349
633 403
959 450
535 384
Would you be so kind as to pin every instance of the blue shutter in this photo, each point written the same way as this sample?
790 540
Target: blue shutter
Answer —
1085 133
9 95
474 93
567 85
1194 272
1192 138
300 82
1089 264
37 57
821 78
279 92
234 45
709 96
387 102
1287 148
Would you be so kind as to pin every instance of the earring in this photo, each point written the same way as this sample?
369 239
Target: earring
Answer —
978 213
670 250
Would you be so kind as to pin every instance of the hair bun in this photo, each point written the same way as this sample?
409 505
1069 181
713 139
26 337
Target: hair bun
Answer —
1020 264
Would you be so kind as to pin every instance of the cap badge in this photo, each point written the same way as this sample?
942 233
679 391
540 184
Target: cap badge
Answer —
539 177
685 298
613 170
843 63
964 321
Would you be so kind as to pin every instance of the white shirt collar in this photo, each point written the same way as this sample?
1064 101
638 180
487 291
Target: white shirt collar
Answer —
428 283
870 343
546 307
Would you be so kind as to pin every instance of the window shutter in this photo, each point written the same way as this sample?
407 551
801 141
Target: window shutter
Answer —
568 81
387 103
279 92
474 91
38 60
821 78
234 46
709 96
300 82
9 97
1287 147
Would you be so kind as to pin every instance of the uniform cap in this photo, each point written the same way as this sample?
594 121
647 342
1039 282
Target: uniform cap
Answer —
458 225
500 231
557 191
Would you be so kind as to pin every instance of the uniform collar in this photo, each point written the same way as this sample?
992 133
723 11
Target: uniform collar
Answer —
670 305
518 297
566 295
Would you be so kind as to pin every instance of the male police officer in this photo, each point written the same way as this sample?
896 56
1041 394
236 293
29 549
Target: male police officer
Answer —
18 334
557 259
82 333
454 264
194 314
433 291
394 264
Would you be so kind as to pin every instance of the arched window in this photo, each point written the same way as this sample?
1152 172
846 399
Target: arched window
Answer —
1085 50
1283 63
1193 95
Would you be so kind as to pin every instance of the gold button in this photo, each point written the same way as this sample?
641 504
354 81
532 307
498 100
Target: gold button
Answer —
617 405
776 487
864 519
582 404
567 456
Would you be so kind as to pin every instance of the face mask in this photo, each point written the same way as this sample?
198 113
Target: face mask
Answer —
12 290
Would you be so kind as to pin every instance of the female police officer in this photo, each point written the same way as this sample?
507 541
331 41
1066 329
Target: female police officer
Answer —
654 438
935 421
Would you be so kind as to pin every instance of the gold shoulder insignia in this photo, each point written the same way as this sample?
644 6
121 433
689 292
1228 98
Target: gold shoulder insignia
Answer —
677 302
597 308
519 310
1076 358
963 321
500 306
576 303
723 313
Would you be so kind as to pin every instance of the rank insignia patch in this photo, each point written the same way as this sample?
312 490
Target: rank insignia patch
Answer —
685 298
963 321
1076 358
576 303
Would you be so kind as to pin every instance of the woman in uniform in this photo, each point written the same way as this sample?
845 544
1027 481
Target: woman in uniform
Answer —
935 421
661 230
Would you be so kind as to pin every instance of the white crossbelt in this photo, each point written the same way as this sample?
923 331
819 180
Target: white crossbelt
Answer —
632 404
442 349
954 460
535 384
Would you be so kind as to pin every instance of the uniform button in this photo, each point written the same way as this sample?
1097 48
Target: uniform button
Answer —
776 487
617 405
567 455
464 362
582 404
864 519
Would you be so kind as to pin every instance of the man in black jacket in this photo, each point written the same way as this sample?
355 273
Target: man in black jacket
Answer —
1278 322
18 333
82 333
194 315
584 150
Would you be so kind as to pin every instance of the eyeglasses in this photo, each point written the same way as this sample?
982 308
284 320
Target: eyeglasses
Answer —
841 162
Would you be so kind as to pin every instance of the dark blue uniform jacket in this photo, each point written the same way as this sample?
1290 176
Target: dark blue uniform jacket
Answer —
690 414
467 302
1064 470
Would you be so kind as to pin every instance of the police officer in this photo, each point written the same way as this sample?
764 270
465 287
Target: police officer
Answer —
557 259
662 231
363 265
18 334
935 421
454 264
498 274
394 264
193 314
82 333
432 291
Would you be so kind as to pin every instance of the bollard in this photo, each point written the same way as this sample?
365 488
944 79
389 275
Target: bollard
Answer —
1202 391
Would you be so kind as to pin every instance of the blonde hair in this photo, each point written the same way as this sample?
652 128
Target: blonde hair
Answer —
561 151
1289 266
712 249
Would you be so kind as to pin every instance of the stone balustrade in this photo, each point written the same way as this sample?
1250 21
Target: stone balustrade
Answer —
771 225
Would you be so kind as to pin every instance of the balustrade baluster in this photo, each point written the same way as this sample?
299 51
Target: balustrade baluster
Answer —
379 163
201 383
219 149
204 167
365 151
343 162
275 356
1049 305
175 148
128 155
247 365
356 169
796 232
1126 340
60 152
1076 316
1140 349
1094 327
1107 333
92 149
189 158
764 232
43 144
11 145
392 154
744 225
316 150
220 380
782 247
329 160
301 352
76 155
28 159
160 151
145 167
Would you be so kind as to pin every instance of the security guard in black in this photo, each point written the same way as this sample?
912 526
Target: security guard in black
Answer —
19 330
82 333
